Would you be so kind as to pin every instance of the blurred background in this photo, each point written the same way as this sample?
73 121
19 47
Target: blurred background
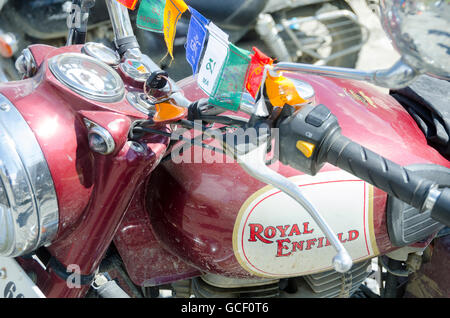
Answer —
309 31
378 52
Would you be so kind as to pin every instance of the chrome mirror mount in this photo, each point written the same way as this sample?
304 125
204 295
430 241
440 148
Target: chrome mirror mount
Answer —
397 76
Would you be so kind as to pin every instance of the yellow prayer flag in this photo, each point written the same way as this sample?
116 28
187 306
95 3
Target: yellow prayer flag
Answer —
173 11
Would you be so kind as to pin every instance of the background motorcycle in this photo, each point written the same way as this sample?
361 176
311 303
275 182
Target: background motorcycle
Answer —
170 223
326 32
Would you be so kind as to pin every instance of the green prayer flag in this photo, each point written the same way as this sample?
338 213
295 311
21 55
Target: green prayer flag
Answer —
231 81
150 16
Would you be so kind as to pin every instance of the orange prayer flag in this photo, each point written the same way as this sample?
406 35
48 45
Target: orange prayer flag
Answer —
282 91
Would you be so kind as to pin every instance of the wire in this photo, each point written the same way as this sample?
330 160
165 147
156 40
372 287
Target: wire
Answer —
225 120
396 272
153 131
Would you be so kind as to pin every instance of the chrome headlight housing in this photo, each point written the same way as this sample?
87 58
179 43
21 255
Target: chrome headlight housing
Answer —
28 203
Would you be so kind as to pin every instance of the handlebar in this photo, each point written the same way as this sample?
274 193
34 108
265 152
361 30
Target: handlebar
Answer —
124 39
377 170
312 136
392 178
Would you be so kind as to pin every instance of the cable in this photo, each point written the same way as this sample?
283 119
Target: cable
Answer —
396 272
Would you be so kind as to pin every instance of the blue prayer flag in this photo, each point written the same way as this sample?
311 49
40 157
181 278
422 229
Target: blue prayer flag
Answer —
195 38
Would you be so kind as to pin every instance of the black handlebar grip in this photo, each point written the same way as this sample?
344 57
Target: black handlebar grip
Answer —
311 136
376 170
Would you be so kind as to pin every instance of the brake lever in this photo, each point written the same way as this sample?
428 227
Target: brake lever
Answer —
253 162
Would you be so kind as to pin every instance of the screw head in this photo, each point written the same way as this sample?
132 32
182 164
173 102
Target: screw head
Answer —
4 107
137 147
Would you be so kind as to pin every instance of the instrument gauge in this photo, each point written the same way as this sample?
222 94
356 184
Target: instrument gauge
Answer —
88 77
135 69
102 53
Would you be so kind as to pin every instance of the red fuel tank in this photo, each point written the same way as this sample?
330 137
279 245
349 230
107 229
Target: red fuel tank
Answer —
214 218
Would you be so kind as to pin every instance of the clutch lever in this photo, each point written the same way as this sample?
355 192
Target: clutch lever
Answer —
253 162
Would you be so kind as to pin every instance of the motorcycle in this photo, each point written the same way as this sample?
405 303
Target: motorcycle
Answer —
326 32
117 181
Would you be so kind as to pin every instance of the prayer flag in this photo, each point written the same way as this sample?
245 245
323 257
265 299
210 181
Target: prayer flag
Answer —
213 60
196 38
282 91
151 15
256 71
172 13
130 4
231 83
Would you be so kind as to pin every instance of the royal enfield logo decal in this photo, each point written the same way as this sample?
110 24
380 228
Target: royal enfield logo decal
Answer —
275 237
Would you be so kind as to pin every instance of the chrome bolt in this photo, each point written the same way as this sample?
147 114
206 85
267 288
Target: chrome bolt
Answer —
2 273
137 147
26 64
4 107
100 140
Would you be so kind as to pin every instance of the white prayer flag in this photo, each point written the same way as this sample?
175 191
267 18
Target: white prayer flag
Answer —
213 60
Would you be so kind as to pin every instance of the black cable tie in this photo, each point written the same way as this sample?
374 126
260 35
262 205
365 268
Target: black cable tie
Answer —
61 271
126 43
194 112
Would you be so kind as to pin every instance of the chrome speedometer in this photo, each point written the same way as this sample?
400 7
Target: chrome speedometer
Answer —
102 53
88 77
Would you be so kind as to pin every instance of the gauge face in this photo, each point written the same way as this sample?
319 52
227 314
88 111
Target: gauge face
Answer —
88 77
102 53
135 69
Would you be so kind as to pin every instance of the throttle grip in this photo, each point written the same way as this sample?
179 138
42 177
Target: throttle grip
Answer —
311 136
377 170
